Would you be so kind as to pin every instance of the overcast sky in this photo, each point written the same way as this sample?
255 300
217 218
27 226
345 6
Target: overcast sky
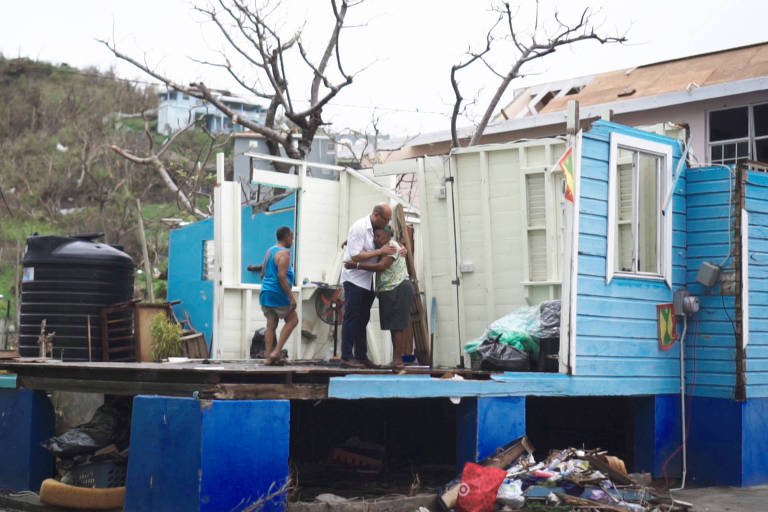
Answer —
406 46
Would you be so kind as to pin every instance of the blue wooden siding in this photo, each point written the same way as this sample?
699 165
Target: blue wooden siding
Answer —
616 323
710 344
757 349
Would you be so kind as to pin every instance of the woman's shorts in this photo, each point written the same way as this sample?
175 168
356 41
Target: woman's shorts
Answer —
395 307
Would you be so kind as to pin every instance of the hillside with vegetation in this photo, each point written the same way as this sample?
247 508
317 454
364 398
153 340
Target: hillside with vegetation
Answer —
58 174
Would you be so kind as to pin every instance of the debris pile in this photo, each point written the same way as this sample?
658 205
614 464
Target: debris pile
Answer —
570 479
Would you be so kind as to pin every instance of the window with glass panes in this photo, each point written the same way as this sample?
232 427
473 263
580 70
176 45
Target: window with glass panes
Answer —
639 238
738 134
638 210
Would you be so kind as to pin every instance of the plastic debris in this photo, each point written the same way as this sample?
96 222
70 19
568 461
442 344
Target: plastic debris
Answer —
579 480
513 342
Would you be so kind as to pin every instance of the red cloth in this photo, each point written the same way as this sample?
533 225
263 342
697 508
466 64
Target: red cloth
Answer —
478 488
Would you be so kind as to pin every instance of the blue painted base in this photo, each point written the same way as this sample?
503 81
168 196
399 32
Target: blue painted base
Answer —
26 420
658 435
484 424
190 455
727 442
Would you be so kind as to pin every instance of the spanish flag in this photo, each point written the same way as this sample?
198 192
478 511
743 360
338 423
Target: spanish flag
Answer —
566 164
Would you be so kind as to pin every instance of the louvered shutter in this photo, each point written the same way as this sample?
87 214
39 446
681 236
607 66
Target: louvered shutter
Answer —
537 233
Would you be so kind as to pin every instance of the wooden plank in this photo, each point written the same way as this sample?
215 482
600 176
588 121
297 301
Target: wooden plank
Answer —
194 346
275 179
262 391
8 354
426 248
418 315
112 387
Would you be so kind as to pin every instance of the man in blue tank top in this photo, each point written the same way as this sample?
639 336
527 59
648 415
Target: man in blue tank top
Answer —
276 299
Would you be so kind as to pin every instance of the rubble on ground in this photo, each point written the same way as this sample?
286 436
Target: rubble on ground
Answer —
570 479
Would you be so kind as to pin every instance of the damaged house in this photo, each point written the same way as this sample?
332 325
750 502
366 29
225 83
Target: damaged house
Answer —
658 262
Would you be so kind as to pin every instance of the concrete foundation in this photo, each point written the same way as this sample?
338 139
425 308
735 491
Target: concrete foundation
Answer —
484 424
190 455
26 420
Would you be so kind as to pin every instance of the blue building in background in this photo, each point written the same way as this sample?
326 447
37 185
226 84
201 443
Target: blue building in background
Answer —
175 109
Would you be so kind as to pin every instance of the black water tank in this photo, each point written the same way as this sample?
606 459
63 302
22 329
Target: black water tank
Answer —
65 280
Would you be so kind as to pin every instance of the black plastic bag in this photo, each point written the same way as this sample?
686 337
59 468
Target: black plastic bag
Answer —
258 345
109 424
549 320
497 356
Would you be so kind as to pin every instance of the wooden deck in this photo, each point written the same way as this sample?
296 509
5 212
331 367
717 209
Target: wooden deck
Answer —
302 380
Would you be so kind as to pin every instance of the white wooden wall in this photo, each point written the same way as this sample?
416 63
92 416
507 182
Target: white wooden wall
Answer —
488 249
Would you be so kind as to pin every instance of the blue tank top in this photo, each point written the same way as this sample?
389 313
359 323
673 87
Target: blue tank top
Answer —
272 293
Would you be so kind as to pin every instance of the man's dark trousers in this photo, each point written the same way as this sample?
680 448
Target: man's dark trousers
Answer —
357 312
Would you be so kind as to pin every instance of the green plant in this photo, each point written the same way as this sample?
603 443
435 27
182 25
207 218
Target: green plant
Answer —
166 338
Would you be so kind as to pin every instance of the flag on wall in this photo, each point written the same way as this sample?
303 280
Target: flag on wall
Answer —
665 316
566 164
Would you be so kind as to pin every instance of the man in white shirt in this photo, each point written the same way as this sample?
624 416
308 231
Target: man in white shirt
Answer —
358 286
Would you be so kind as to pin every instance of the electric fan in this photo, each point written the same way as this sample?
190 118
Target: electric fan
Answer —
329 306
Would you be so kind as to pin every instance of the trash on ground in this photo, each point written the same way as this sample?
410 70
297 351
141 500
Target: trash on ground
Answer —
569 479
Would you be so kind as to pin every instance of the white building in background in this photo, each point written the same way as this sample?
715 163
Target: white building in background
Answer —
174 109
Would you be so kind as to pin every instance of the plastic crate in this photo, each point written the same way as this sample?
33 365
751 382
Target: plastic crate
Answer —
97 475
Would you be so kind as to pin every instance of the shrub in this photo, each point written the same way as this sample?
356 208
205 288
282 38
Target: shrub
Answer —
166 338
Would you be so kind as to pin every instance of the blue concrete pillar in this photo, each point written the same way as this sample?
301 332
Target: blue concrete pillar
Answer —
191 455
658 435
26 419
714 441
754 463
485 423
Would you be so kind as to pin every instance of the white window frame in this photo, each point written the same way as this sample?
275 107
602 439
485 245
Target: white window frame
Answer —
552 226
665 152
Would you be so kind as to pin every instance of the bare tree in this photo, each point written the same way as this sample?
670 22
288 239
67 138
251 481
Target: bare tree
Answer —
184 183
365 154
527 48
249 31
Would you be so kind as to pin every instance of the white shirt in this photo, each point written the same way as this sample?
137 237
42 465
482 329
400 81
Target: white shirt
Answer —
359 239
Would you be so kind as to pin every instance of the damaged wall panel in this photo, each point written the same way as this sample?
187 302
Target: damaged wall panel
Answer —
710 350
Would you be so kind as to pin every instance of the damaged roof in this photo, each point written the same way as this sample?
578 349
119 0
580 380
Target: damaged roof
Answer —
651 86
683 74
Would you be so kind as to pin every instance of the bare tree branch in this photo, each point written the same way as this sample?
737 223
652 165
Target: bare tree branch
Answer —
455 85
247 29
564 34
154 160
